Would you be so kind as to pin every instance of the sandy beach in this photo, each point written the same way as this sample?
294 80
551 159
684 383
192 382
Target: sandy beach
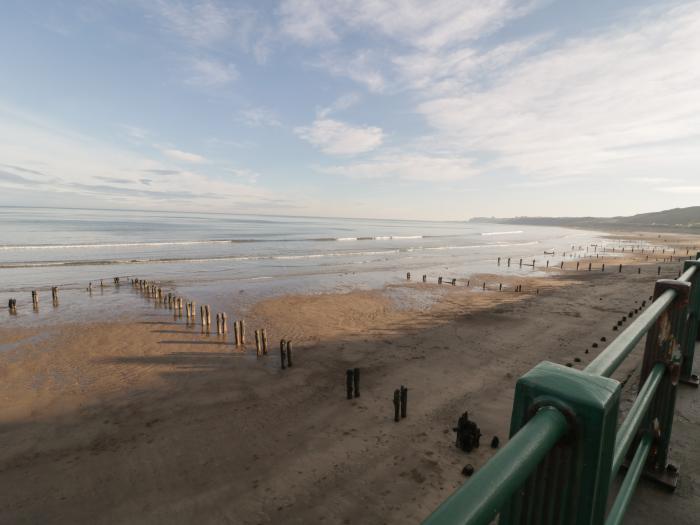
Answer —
146 420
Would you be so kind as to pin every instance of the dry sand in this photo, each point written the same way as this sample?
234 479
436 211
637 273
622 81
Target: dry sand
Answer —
149 421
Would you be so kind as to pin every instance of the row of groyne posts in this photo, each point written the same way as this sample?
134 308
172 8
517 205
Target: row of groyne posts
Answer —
672 257
152 290
178 304
484 286
566 448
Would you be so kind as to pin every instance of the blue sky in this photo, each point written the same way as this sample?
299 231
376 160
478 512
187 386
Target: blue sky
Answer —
362 108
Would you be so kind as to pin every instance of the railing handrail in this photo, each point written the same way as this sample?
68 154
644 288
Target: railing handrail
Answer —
609 359
485 495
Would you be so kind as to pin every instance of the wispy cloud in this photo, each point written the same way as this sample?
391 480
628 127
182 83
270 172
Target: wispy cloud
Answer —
685 190
363 66
184 156
204 22
429 26
259 117
73 167
207 72
408 166
337 138
342 103
579 109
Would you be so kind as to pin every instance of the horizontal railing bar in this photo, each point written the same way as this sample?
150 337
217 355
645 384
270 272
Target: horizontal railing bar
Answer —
617 512
628 428
687 275
479 500
608 360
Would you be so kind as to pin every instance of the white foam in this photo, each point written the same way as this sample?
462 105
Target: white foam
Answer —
503 233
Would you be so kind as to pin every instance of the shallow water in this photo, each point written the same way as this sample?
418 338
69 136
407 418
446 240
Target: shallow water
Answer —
225 259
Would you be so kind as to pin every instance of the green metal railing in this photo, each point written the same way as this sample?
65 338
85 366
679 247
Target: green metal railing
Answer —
566 449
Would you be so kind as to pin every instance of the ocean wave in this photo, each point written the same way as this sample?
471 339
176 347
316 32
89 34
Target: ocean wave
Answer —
10 247
471 246
502 233
103 262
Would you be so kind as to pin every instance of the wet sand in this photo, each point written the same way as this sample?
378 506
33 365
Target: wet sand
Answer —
146 420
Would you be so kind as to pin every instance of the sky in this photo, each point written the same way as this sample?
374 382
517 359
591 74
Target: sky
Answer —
407 109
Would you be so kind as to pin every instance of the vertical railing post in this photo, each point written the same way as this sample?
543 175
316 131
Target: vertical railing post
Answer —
571 483
663 345
691 328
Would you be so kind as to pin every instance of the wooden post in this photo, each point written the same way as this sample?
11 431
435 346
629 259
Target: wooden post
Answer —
193 307
639 270
236 333
356 381
500 287
619 270
397 404
408 276
439 280
218 324
224 323
508 262
282 353
257 343
483 286
348 383
547 267
404 401
577 263
602 269
263 337
241 330
289 354
521 263
658 270
589 267
561 266
499 261
425 278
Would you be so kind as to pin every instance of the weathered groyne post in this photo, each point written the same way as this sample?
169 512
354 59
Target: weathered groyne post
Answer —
282 353
237 333
263 340
404 401
257 343
289 354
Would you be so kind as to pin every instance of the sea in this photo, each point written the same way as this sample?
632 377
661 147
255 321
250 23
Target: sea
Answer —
225 258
